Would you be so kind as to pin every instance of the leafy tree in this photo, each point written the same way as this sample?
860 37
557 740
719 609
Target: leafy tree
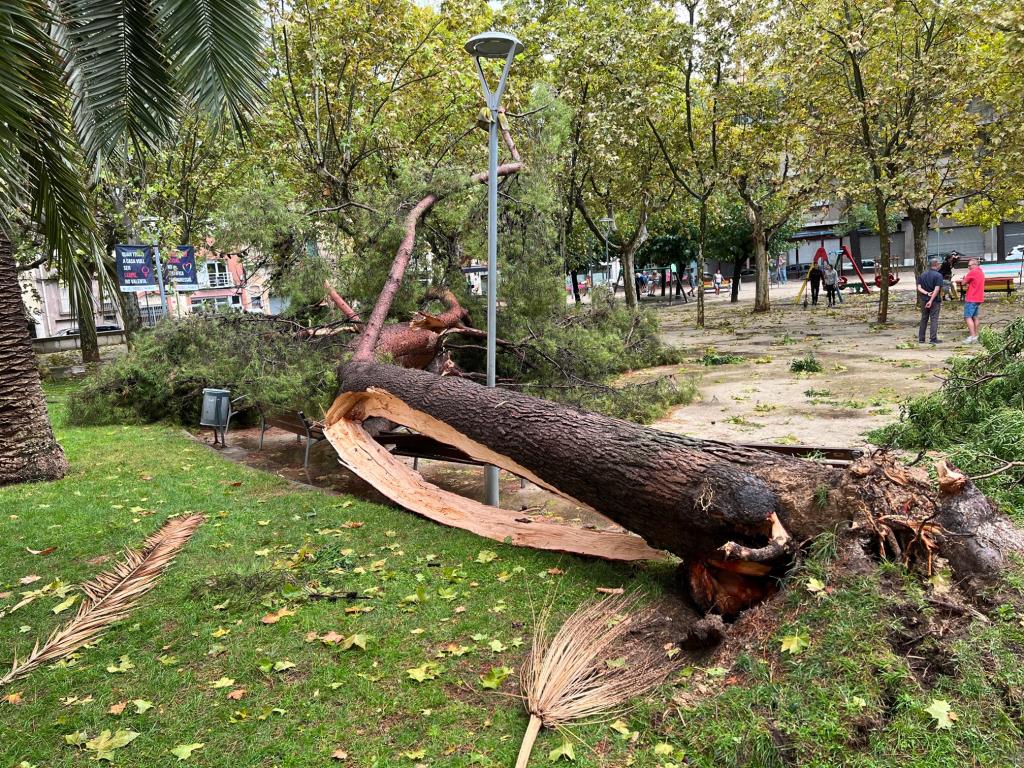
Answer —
893 93
690 139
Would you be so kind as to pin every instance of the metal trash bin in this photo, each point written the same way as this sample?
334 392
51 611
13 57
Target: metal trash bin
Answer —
216 412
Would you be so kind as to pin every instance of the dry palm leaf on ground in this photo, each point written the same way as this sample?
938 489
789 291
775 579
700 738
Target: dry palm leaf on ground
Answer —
593 664
111 595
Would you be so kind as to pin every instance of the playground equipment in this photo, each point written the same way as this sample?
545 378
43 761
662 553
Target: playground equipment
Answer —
844 253
821 257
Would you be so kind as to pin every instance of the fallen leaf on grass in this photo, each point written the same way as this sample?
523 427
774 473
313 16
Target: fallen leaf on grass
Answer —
13 698
236 694
105 744
494 678
224 682
141 706
426 671
610 590
564 752
117 709
30 579
486 556
276 616
339 754
46 551
184 751
555 572
941 713
63 606
123 665
354 641
795 644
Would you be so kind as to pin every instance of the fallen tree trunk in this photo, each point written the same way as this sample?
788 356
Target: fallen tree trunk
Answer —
732 513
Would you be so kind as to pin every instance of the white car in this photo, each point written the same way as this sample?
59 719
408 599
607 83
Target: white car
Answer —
1016 253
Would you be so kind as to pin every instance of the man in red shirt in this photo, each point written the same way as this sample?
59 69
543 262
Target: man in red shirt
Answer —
974 287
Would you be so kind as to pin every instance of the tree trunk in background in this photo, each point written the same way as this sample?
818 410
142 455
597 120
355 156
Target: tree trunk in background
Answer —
88 343
762 270
28 449
702 230
574 275
629 277
885 255
919 219
131 315
734 287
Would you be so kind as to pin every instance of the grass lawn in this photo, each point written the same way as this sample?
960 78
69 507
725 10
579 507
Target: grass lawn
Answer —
856 692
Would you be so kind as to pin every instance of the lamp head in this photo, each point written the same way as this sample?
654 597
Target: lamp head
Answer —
493 45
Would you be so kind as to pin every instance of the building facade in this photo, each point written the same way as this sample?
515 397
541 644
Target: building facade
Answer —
224 283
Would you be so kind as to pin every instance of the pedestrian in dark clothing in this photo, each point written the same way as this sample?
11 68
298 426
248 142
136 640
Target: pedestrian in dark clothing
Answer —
929 285
815 277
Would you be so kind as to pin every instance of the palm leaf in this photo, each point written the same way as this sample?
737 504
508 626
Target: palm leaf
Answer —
40 170
118 71
216 49
112 595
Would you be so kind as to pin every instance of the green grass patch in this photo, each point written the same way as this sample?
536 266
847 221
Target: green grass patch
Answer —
445 606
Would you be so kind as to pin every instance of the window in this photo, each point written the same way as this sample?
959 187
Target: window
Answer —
217 274
149 315
213 303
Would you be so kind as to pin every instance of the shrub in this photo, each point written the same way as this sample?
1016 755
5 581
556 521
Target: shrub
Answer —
712 356
164 374
976 417
806 364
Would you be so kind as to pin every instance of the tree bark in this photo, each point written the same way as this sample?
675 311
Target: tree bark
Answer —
28 449
885 254
629 277
732 513
762 270
88 342
919 219
702 231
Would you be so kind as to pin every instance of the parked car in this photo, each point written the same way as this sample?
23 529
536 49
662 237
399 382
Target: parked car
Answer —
1016 253
99 329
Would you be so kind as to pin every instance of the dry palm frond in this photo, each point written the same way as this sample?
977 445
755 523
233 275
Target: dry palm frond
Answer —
568 677
111 595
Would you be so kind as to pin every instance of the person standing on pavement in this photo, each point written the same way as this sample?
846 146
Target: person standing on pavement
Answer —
815 277
974 295
831 280
717 281
929 285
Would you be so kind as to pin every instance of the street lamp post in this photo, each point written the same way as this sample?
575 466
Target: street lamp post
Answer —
492 45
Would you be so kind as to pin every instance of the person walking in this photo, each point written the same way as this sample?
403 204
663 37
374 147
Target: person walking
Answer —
780 268
946 270
929 285
974 295
815 278
689 285
831 280
717 281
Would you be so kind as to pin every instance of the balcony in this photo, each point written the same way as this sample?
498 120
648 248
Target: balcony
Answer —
216 279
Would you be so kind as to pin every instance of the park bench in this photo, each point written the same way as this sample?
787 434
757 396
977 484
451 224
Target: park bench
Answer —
294 422
1002 277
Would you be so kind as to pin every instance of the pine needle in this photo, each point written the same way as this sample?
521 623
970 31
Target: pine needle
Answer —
568 676
112 595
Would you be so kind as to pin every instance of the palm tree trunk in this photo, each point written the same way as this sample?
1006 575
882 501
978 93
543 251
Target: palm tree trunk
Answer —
28 449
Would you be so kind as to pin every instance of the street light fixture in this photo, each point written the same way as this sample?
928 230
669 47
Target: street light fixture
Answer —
492 45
